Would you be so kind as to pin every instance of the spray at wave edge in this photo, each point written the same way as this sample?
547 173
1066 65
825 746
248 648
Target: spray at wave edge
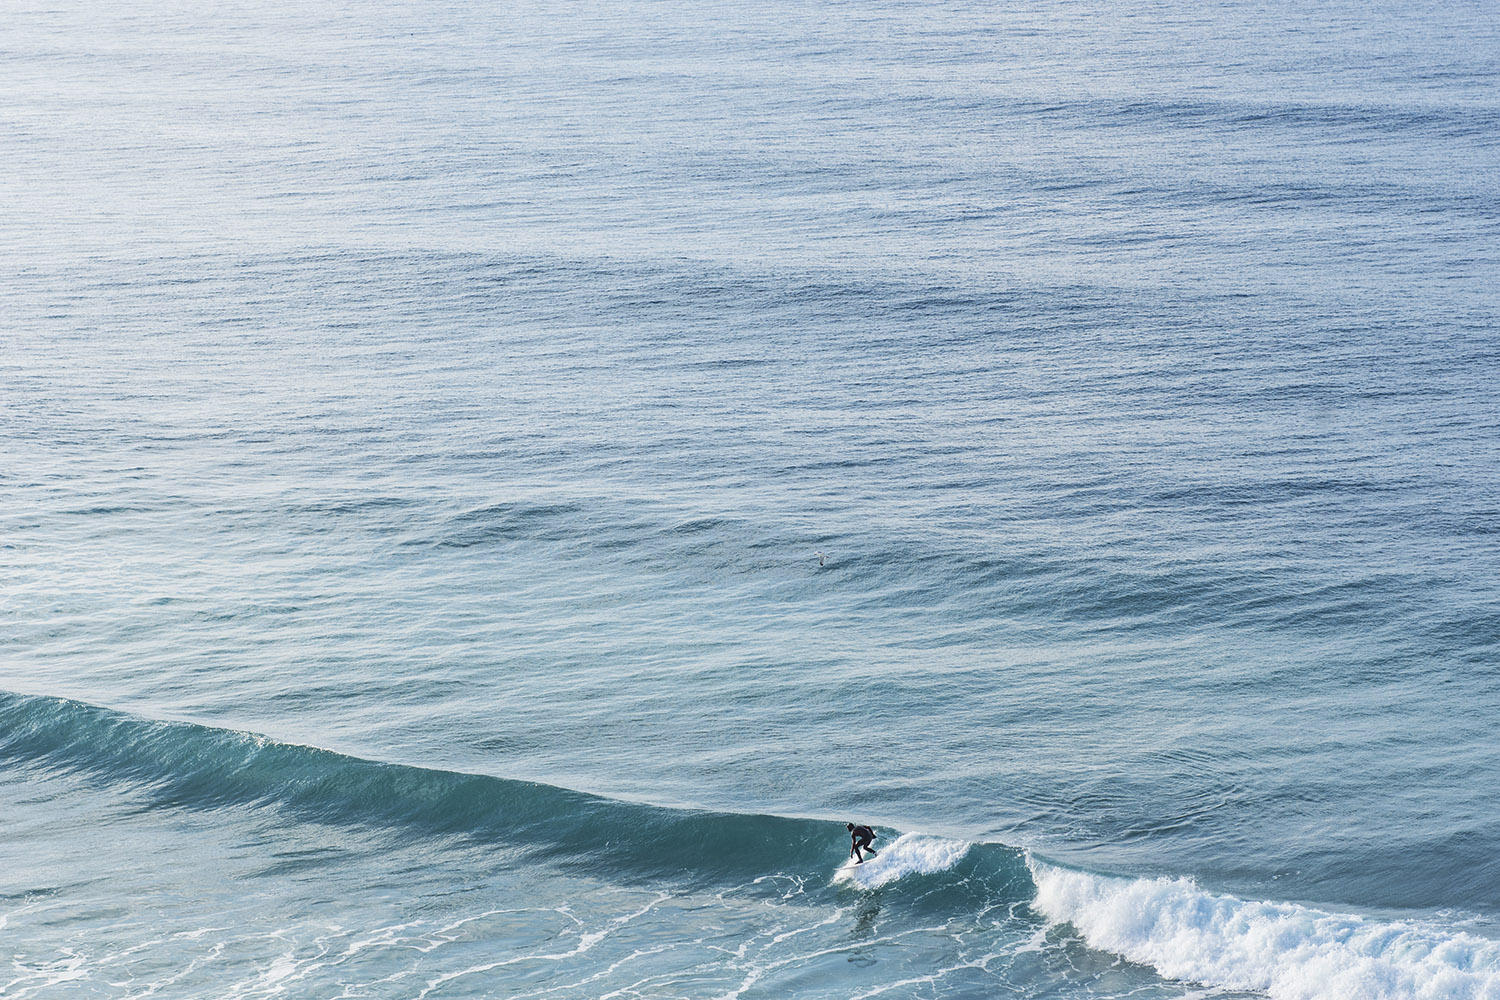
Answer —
908 854
1287 951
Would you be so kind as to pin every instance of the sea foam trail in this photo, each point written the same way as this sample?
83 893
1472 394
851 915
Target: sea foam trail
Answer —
908 854
1290 952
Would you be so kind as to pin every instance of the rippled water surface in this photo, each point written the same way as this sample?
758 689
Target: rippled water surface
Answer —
488 491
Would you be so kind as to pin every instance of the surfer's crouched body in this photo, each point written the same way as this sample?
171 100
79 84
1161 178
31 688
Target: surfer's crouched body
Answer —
860 839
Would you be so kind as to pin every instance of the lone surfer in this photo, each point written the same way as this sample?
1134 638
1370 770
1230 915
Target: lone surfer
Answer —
860 838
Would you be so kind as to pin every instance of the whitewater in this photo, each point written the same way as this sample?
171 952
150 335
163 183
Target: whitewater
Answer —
487 493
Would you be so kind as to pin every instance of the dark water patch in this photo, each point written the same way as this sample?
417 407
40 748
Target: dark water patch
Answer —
340 506
507 521
103 510
1318 119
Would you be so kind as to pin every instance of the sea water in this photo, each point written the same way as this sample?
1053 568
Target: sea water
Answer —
487 491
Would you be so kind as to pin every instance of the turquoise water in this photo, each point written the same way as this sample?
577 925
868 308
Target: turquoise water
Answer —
489 492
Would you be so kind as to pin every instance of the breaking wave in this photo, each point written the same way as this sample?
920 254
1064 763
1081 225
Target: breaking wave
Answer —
1287 951
1284 950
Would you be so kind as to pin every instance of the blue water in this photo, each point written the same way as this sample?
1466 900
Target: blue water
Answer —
486 492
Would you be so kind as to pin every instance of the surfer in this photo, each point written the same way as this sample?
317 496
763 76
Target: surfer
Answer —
860 838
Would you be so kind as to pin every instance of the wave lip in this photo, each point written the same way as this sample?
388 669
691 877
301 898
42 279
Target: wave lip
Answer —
908 854
1287 951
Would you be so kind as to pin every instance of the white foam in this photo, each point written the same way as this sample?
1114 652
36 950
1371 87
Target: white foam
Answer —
1287 951
908 854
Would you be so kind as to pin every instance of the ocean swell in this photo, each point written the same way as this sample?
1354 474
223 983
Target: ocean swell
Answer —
182 765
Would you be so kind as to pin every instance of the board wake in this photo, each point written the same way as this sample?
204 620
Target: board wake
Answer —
908 854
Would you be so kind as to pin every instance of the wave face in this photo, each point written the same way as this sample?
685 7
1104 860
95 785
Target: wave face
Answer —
1287 951
247 866
186 766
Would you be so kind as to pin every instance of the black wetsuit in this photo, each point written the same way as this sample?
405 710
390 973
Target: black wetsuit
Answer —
861 838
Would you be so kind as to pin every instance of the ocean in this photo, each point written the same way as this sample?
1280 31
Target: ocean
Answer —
487 492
